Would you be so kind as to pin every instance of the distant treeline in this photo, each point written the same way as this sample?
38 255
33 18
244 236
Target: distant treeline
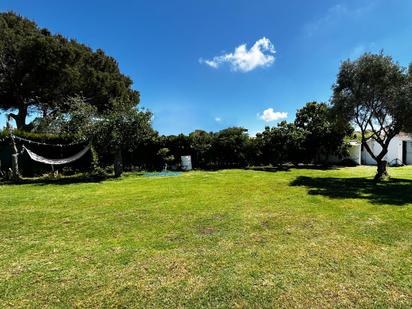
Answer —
309 139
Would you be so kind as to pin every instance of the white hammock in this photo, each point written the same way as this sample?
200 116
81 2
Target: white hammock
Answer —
37 158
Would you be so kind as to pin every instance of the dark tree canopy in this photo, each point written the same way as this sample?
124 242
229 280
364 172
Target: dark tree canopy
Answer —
309 139
280 144
38 70
230 146
122 130
323 136
374 93
201 145
115 132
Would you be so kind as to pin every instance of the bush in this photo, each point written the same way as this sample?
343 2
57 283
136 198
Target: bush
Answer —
31 168
348 162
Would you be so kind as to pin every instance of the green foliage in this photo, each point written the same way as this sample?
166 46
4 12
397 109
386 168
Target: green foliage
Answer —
200 146
78 121
96 169
165 155
273 144
323 135
230 147
312 136
227 148
117 131
129 131
39 70
233 147
268 146
177 145
48 138
123 128
374 93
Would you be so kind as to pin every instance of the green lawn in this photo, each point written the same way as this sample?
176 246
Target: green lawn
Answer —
232 238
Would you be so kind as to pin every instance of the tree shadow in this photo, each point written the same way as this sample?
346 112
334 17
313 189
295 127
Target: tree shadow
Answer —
66 180
280 168
288 167
319 167
395 191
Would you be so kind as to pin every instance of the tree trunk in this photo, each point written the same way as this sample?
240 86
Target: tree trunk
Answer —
14 159
15 166
118 163
382 172
20 118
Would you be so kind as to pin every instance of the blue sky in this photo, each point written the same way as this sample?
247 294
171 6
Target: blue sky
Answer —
187 60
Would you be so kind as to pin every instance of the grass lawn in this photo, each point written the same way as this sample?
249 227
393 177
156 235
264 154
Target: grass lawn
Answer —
232 238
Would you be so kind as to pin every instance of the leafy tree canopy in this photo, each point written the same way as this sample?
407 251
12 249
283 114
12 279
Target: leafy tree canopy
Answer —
113 132
230 146
38 70
374 93
323 136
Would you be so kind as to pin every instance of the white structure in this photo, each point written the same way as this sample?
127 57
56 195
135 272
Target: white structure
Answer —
355 152
399 151
186 163
355 155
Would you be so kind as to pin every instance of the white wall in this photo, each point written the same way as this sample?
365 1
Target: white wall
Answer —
366 157
393 156
355 153
408 152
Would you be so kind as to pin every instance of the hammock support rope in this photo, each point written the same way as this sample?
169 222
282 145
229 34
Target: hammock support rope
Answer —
21 139
38 158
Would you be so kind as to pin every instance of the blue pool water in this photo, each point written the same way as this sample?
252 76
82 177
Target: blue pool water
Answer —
162 174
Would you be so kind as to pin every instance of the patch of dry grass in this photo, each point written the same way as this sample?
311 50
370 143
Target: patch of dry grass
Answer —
231 238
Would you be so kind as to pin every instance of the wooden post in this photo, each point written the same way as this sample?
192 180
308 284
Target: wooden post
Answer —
14 155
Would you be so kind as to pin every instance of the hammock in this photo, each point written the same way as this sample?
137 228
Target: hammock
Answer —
37 158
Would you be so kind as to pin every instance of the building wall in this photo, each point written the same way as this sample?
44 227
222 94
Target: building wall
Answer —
355 153
394 155
408 159
366 157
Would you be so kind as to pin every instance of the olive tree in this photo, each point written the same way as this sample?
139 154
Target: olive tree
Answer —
374 93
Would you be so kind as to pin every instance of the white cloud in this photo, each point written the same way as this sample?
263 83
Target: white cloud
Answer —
218 119
269 115
261 54
210 63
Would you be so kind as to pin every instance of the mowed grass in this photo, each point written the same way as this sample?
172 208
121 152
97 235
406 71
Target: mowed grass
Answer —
232 238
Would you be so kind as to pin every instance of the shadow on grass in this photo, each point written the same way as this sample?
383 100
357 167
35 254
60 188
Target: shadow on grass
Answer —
288 167
272 169
77 179
395 192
